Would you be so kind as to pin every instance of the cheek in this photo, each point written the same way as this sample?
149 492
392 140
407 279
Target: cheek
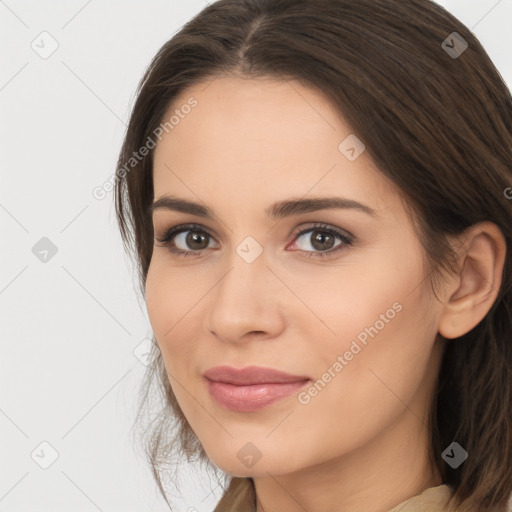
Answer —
344 302
375 382
159 299
387 349
170 300
383 327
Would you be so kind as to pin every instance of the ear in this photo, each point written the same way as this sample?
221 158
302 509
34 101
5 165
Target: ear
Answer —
471 293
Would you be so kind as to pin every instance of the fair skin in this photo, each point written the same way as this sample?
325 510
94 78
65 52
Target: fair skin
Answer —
361 443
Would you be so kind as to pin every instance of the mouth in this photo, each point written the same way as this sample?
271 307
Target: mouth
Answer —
251 388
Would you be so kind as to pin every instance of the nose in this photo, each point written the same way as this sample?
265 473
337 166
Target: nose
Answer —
247 302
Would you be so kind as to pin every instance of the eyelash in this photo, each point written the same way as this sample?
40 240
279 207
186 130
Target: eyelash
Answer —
176 230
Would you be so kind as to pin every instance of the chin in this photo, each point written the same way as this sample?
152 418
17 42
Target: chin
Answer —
241 465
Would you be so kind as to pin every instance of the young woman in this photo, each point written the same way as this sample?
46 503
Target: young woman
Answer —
318 194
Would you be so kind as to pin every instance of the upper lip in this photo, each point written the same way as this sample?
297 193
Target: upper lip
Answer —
251 375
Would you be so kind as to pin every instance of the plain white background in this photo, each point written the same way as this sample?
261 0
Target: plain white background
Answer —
72 327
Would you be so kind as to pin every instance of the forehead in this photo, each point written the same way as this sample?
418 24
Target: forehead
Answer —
261 138
250 112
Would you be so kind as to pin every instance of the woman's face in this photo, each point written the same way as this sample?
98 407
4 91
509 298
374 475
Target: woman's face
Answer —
336 296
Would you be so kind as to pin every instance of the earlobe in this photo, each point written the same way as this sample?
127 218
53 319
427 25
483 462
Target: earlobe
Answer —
481 261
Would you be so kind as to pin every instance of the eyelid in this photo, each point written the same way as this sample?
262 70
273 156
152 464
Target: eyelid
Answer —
322 225
180 228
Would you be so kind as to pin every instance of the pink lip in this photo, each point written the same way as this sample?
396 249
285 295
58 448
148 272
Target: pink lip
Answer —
250 388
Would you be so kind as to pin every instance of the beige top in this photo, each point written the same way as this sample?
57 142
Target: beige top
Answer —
433 499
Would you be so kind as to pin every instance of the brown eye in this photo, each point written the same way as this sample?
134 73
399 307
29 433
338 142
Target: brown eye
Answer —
186 240
322 240
195 240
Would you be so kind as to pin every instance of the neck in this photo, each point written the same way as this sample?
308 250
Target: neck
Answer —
372 478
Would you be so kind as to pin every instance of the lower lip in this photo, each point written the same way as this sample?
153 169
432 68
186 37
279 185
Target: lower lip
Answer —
253 397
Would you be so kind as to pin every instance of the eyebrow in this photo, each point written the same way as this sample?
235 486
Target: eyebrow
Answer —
278 210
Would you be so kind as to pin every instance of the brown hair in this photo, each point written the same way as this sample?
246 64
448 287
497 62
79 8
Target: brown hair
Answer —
438 125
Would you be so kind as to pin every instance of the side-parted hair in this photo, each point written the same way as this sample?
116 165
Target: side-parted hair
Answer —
435 117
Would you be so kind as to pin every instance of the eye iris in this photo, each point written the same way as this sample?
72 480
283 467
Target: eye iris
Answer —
319 238
195 238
